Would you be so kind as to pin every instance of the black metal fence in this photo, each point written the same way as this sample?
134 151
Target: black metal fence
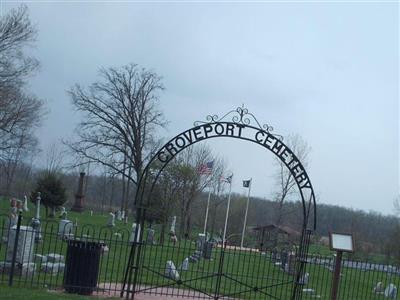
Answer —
51 259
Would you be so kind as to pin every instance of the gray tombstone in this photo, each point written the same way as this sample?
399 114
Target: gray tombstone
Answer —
379 288
25 245
171 271
290 263
111 220
52 268
35 222
391 291
65 228
201 239
150 236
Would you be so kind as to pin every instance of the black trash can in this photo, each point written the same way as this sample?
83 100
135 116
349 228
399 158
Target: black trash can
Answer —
207 250
82 267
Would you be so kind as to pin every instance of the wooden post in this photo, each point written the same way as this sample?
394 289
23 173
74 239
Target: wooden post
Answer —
336 275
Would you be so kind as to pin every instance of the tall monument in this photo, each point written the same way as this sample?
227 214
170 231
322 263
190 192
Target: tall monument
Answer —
79 196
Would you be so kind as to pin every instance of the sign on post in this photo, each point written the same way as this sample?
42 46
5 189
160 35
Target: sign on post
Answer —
339 242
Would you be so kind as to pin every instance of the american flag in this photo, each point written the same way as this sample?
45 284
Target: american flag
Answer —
206 169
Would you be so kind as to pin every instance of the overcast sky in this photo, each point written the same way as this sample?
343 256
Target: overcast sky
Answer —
326 71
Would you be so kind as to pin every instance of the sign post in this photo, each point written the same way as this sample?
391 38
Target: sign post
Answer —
339 242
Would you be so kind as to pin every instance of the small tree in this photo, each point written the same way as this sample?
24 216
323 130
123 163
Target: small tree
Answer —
52 192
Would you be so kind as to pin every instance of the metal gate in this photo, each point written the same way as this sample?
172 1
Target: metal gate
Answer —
230 272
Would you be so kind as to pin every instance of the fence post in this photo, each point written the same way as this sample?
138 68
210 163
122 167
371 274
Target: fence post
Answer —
14 256
220 271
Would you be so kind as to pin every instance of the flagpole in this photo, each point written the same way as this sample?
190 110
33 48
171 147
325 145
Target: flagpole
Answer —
208 205
245 215
227 213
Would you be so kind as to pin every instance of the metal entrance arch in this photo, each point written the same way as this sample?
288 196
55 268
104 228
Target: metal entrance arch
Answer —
210 284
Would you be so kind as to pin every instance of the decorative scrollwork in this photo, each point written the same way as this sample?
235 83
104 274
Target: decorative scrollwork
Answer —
240 115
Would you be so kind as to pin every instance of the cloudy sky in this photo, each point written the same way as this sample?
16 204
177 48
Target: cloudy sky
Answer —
326 71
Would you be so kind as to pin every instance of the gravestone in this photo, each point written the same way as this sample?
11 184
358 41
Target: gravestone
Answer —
185 264
201 239
118 235
150 236
391 291
173 224
123 215
132 237
111 220
274 255
55 258
26 208
379 288
170 271
40 258
284 259
25 245
25 269
304 279
290 263
63 213
52 268
35 222
79 196
65 228
118 215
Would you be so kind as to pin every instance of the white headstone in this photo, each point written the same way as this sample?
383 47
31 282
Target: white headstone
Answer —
111 220
185 264
132 237
54 257
173 224
305 279
25 244
170 271
26 208
123 215
38 199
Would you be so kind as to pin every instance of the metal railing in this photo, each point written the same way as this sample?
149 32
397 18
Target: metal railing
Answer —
30 259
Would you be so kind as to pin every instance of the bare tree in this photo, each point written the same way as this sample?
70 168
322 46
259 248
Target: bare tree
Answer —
20 113
285 182
120 118
16 32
